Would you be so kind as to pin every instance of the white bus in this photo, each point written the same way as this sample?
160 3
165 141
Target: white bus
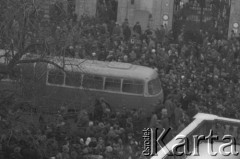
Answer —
81 81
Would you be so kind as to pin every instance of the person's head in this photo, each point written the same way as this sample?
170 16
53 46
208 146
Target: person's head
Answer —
65 149
90 124
109 149
130 136
74 154
179 105
88 141
102 100
120 141
164 112
125 58
116 126
153 51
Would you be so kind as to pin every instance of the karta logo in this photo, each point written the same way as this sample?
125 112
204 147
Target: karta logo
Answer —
182 146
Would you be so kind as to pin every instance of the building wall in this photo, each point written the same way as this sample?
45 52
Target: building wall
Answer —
164 8
86 7
146 5
45 5
122 10
142 9
234 17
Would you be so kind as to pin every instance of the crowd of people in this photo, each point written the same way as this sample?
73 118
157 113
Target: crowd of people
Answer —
201 66
98 134
198 70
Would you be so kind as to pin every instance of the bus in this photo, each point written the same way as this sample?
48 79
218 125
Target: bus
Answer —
78 82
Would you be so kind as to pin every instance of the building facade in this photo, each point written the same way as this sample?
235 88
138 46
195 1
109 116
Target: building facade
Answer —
87 7
234 21
152 13
46 4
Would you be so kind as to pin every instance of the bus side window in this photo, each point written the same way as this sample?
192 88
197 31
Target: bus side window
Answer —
112 84
132 86
73 79
55 77
93 82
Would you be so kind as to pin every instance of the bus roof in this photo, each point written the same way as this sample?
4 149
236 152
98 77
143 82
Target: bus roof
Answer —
112 69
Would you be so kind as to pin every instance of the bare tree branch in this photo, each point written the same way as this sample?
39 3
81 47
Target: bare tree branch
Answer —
40 60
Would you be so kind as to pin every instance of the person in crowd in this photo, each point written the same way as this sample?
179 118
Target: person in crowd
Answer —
126 32
137 28
125 23
117 30
170 107
98 111
153 121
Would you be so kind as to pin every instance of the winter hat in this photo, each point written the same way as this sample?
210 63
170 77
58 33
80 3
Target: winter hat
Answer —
90 123
93 54
153 50
81 141
109 149
164 111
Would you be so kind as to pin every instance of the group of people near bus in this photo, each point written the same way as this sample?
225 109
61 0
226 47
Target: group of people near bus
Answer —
97 134
198 70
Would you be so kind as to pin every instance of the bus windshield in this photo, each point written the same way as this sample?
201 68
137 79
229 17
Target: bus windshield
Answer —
154 86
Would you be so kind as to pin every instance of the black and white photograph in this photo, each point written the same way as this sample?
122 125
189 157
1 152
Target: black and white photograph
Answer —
119 79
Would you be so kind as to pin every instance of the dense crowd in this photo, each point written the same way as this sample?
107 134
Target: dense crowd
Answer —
99 134
198 66
198 70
